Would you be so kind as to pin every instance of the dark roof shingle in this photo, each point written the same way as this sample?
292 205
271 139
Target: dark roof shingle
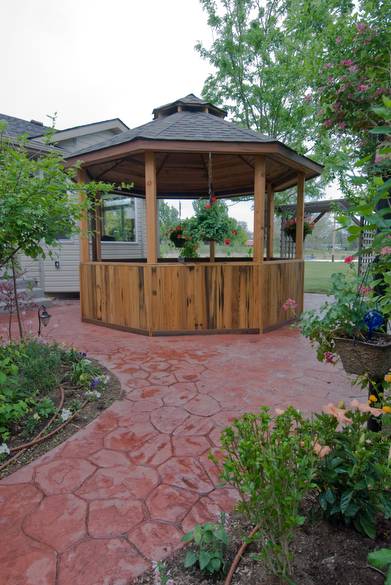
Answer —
186 126
17 126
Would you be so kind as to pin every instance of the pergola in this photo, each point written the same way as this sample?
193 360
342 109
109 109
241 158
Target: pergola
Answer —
170 158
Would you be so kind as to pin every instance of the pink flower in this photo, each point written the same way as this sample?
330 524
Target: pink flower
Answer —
330 79
361 27
308 98
379 158
362 407
362 87
353 68
329 357
327 66
338 413
338 40
290 304
328 123
342 125
336 106
364 290
348 259
321 450
385 251
347 62
379 91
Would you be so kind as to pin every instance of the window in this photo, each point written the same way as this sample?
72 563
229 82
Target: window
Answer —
118 219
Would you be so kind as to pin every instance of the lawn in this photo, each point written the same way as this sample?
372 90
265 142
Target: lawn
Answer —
317 275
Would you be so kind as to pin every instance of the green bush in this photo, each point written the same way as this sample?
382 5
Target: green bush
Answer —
271 462
354 479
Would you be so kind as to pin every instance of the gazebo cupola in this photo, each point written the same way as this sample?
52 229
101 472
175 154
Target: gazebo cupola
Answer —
174 156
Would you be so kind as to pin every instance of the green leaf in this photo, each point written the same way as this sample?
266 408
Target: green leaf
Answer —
190 559
204 559
215 565
381 130
365 524
388 577
380 558
187 537
345 500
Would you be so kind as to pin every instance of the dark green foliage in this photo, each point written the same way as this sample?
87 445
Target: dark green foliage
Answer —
354 479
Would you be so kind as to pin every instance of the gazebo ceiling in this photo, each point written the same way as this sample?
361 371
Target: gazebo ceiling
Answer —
182 134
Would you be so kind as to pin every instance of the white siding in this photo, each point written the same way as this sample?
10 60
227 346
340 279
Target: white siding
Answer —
65 278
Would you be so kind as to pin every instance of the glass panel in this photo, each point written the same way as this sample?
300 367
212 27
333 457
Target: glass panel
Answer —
118 219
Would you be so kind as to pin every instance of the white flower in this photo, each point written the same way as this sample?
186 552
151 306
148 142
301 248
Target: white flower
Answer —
4 449
93 394
65 414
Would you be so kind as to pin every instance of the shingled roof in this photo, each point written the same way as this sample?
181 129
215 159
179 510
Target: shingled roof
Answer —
17 126
191 124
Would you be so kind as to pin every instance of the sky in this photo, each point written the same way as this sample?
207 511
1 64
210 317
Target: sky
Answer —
91 60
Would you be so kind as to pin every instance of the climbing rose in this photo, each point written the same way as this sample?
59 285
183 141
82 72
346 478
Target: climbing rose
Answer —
348 259
386 250
207 206
213 199
227 241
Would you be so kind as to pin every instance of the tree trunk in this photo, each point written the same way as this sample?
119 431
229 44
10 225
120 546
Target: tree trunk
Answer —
17 308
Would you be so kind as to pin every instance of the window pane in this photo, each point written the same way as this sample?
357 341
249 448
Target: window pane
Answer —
118 219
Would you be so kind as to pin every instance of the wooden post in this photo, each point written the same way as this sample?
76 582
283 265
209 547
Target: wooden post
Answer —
212 251
84 242
270 221
300 216
259 208
151 207
98 228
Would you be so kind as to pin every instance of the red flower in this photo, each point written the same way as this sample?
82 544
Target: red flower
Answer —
178 228
227 241
234 232
207 206
213 199
348 259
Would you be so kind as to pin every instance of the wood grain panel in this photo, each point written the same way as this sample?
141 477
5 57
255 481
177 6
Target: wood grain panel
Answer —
280 281
190 298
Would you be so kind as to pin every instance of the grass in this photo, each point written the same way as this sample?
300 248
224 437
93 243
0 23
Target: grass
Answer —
317 275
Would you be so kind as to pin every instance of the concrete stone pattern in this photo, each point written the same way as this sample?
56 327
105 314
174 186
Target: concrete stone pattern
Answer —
122 492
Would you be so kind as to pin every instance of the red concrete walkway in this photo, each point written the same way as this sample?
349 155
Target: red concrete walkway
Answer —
121 492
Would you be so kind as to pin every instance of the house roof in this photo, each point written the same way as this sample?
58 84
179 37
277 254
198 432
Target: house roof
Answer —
18 126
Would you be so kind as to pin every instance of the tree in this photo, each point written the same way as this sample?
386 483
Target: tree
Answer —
36 204
303 71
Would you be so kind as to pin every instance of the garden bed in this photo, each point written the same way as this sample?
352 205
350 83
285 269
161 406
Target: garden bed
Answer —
78 391
324 555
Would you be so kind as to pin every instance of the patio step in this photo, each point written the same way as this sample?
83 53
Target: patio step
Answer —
32 296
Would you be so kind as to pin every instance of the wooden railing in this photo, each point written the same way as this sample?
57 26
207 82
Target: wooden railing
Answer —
189 298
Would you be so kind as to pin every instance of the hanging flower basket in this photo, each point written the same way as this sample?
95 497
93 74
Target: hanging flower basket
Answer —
372 357
289 227
177 237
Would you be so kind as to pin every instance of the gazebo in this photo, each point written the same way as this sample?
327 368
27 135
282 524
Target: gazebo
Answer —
168 158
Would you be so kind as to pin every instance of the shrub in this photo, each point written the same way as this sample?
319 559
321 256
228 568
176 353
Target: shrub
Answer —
354 479
271 463
210 542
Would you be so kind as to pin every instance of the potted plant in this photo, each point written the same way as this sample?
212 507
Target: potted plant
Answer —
212 222
351 326
176 235
289 227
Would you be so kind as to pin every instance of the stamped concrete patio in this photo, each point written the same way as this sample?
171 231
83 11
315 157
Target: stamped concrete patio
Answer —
121 492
